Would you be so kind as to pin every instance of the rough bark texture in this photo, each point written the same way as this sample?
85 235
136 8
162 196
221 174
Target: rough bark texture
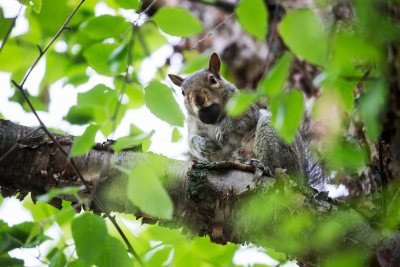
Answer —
202 198
208 199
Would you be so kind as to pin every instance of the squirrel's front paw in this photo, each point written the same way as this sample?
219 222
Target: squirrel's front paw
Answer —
204 145
221 134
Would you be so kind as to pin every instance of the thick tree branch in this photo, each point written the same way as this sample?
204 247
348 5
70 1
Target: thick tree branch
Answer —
221 202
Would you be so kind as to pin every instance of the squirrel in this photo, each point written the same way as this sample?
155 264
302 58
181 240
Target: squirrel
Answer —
249 138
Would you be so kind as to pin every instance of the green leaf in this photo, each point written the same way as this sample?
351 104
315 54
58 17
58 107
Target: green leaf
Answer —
177 21
176 135
84 143
101 57
349 52
104 26
97 105
159 256
133 90
57 258
303 32
131 141
253 17
113 254
89 232
35 4
136 96
196 63
54 192
15 57
152 37
272 84
52 15
160 101
345 155
145 189
129 4
372 103
239 103
6 260
80 115
5 24
287 113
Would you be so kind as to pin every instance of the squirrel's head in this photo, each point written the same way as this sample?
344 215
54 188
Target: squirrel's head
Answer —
206 92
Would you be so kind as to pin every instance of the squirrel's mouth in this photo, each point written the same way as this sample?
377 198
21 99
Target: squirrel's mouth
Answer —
210 114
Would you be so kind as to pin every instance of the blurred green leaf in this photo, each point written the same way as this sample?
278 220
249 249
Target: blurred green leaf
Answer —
345 155
152 37
272 84
309 41
101 57
39 102
159 256
239 103
104 26
41 212
113 254
52 15
351 55
177 21
97 105
349 258
176 135
6 260
253 16
145 189
287 113
17 57
84 143
196 63
80 115
54 192
5 24
160 101
372 103
131 141
129 4
57 258
35 4
90 234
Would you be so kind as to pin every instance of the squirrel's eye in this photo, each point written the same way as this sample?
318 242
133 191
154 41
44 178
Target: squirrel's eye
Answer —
213 80
183 93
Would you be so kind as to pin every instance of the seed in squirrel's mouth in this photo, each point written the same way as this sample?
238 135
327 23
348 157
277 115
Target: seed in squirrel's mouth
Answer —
210 115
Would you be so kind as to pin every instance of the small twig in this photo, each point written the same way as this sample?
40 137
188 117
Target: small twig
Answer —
147 50
42 52
128 64
5 39
131 44
211 32
17 143
144 12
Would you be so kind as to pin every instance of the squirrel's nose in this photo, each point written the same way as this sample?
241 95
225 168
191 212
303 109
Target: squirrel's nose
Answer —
199 100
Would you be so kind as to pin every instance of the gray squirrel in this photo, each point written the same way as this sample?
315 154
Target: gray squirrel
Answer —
215 136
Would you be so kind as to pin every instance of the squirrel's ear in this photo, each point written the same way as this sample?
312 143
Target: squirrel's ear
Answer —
176 79
214 65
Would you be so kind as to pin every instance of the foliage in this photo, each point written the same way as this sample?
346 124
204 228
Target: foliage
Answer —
115 46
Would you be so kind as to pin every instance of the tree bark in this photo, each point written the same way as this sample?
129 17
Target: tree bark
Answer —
37 165
209 198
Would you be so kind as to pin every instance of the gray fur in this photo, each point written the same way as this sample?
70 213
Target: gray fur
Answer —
241 139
